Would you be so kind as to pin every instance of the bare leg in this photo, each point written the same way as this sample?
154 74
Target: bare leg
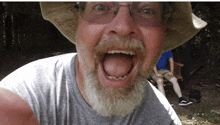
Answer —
160 86
176 87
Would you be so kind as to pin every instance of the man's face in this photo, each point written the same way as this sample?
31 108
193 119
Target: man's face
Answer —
118 49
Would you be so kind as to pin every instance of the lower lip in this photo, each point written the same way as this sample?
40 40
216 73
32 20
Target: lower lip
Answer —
114 84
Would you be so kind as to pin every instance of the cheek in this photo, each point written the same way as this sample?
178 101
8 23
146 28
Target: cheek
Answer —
153 42
87 37
88 34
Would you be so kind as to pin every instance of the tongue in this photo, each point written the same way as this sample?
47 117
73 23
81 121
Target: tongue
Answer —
117 65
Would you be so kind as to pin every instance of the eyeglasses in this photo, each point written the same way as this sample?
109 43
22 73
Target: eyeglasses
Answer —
145 14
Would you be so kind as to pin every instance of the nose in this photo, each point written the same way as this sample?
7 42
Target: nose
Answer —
123 24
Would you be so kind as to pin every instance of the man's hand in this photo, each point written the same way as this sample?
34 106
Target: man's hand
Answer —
14 110
170 73
159 75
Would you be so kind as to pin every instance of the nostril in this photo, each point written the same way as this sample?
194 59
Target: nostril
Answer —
113 32
132 33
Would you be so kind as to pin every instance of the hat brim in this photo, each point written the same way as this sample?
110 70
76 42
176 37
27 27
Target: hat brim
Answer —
181 27
63 15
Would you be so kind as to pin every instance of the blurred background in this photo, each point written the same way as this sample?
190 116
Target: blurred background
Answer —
25 36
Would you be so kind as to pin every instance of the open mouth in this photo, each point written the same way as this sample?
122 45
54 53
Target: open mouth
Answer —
117 68
118 64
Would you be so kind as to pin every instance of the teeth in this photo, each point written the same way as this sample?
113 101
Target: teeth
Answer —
117 78
122 52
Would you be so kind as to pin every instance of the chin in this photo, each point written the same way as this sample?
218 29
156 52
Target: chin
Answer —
114 102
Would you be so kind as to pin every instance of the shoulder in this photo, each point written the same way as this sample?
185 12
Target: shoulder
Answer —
155 109
40 67
51 62
40 71
168 54
33 82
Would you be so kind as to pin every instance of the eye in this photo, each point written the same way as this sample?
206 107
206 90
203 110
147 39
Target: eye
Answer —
147 11
100 7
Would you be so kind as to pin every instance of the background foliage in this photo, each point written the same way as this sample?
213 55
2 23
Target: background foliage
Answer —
24 31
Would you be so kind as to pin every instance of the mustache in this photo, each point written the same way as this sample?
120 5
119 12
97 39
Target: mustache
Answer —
120 43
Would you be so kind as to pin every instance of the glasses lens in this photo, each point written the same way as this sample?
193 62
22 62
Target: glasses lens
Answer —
144 14
98 12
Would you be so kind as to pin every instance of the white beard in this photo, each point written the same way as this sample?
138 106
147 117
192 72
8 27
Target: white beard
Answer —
114 102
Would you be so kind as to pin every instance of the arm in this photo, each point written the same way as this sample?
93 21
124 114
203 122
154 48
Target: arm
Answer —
14 110
156 72
171 65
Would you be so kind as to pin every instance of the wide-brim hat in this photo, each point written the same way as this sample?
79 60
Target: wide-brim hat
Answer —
181 27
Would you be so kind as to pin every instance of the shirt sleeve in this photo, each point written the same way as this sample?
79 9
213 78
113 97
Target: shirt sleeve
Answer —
170 54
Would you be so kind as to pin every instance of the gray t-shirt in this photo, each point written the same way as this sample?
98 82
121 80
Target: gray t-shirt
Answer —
49 86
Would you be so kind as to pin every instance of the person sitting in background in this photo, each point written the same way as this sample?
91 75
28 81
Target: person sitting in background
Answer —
160 71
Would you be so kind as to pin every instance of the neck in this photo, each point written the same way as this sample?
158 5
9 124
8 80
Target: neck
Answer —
80 81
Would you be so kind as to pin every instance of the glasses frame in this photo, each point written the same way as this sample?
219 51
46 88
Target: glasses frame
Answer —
82 6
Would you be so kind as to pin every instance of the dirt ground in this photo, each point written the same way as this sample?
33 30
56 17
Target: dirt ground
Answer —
207 112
